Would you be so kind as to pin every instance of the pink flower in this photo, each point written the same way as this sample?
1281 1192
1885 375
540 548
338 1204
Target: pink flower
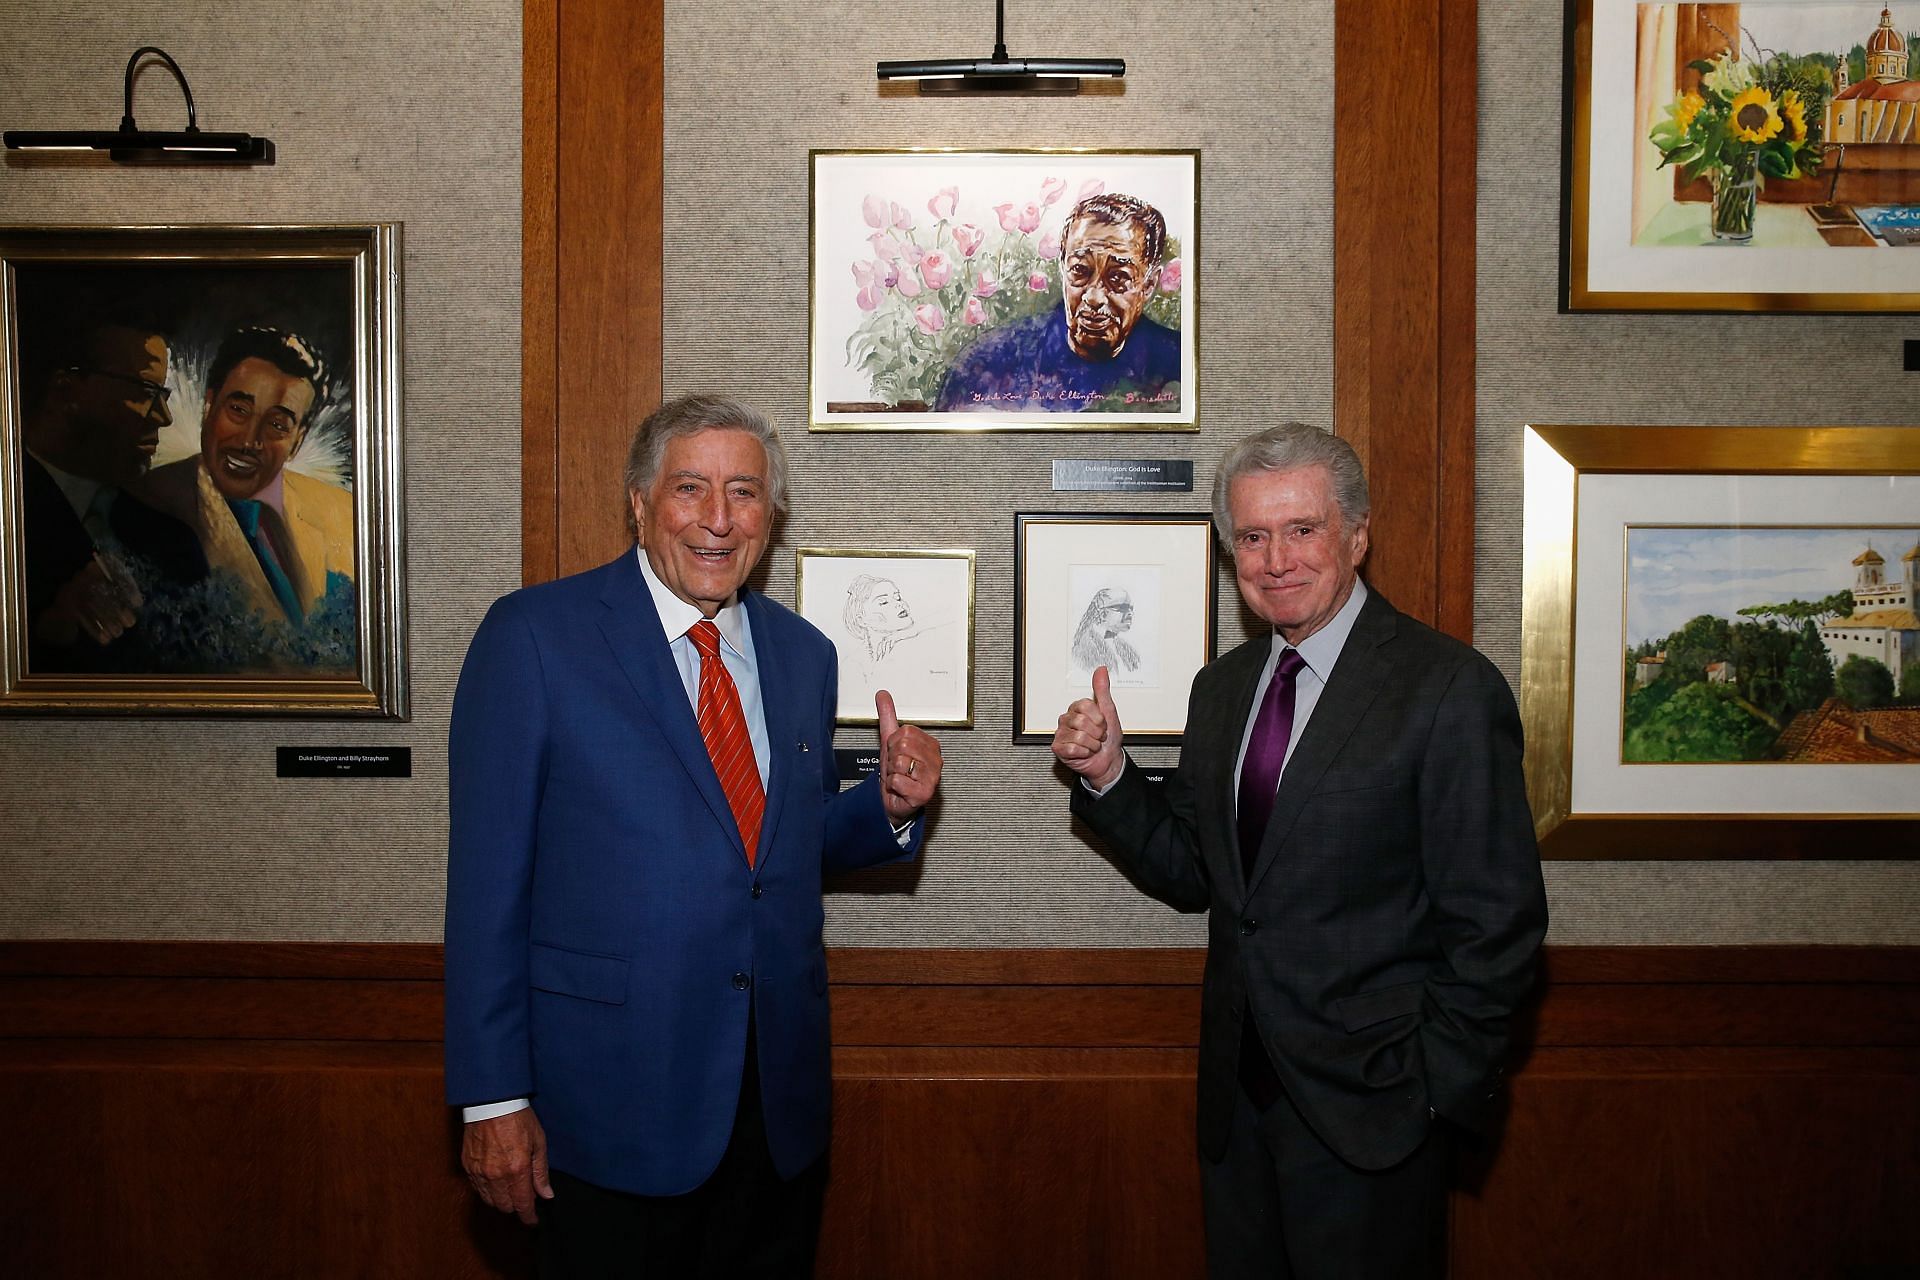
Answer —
885 274
936 269
987 286
929 317
1052 189
1037 282
1091 187
1170 277
912 253
874 210
968 237
1029 216
884 246
1009 220
909 282
1050 245
863 274
902 218
869 297
974 312
944 202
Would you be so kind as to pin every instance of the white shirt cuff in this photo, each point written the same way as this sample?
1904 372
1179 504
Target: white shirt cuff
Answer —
488 1110
1101 791
903 831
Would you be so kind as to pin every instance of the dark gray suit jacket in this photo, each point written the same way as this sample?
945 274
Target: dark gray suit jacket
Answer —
1391 921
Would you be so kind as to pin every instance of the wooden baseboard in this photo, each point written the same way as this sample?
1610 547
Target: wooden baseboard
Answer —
274 1109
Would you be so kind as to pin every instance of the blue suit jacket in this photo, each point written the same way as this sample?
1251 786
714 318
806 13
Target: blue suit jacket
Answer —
605 936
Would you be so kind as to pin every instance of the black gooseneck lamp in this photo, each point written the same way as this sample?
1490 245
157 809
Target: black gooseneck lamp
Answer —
1001 74
130 144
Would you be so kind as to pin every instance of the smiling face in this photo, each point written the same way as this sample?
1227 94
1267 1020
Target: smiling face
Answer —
1105 282
706 519
1294 556
885 610
115 407
255 420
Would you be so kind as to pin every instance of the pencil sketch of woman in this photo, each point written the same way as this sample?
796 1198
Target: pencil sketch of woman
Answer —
1097 640
877 616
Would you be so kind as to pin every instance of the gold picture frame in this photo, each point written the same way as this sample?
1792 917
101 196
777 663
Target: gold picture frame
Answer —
1564 697
937 278
173 547
900 620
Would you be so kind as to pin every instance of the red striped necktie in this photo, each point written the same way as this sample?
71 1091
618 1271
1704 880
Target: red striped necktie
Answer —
724 726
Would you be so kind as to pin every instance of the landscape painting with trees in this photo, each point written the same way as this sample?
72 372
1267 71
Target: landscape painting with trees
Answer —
1771 644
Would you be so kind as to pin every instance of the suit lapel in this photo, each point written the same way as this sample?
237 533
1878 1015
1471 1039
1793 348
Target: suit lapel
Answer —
632 629
1357 678
782 716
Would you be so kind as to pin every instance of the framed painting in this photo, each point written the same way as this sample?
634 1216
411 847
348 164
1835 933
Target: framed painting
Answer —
1004 290
1131 593
901 621
1721 655
200 489
1762 156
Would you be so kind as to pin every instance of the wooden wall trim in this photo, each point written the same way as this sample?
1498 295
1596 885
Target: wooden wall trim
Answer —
592 172
1809 997
1403 273
949 966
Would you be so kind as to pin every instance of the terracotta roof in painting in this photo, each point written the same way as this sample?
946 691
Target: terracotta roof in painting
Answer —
1881 91
1896 619
1834 733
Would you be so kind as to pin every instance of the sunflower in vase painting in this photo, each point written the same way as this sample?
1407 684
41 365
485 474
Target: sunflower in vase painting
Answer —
1746 122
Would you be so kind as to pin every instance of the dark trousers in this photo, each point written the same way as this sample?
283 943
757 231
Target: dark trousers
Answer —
744 1221
1281 1206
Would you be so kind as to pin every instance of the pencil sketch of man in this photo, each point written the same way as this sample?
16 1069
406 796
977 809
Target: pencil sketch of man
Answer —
1099 639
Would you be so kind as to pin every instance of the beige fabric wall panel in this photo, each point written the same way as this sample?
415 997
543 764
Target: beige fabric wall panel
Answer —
1536 365
749 90
179 829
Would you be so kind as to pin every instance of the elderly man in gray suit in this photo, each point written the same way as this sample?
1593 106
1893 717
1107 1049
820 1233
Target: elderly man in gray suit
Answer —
1350 809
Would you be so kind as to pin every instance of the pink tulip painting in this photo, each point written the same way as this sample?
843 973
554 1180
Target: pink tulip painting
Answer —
902 218
975 312
884 246
986 286
1170 277
874 210
1052 189
936 268
1037 282
1091 187
930 318
909 282
1009 220
944 202
1029 217
1050 245
969 238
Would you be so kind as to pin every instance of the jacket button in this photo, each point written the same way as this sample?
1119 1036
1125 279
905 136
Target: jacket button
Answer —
756 891
741 981
1249 927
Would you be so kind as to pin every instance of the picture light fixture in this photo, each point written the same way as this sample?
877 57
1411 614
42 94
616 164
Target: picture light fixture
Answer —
130 144
1001 74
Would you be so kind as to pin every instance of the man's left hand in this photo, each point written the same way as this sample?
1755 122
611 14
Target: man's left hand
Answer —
909 762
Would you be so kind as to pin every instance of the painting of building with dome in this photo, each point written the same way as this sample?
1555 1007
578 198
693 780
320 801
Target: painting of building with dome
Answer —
1779 125
1759 645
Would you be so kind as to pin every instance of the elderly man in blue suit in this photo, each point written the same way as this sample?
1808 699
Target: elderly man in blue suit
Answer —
643 800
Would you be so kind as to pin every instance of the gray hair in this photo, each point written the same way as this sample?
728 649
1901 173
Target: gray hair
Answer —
690 415
1288 447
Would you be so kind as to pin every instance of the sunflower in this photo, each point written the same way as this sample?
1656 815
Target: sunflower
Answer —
1754 116
1685 108
1795 112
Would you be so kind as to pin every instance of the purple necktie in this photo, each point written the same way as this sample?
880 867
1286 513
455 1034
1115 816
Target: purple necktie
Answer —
1266 752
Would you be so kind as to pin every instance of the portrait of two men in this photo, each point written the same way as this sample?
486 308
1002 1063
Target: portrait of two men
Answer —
184 450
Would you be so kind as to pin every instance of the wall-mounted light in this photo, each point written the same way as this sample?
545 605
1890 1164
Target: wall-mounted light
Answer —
131 144
1001 74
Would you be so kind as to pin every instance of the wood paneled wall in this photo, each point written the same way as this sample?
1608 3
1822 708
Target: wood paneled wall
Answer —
237 1109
